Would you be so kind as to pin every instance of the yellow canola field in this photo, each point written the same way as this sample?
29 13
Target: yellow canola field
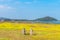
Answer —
34 26
41 31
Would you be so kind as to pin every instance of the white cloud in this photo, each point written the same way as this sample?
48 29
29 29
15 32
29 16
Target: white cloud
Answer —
5 7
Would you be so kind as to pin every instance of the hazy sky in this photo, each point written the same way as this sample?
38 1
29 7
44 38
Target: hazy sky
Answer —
29 9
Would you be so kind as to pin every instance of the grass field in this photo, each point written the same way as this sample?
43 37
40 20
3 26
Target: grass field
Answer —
12 31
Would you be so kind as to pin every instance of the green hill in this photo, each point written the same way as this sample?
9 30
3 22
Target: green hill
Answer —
47 18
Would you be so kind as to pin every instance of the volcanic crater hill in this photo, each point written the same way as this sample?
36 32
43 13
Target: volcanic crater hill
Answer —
47 18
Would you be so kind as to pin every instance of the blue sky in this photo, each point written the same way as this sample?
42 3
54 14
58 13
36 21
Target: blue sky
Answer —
29 9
